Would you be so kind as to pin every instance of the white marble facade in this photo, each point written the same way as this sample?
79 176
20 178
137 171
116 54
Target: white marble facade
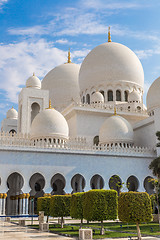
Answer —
99 133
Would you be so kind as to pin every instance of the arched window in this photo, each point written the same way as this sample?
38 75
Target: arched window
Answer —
118 95
110 95
88 98
13 132
83 99
102 92
125 96
96 140
34 110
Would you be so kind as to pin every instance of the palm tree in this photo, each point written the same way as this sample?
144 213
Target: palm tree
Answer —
155 167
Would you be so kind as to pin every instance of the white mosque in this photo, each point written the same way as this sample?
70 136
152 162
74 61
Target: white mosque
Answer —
97 133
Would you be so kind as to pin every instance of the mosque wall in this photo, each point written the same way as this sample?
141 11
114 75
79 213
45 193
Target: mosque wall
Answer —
144 133
70 163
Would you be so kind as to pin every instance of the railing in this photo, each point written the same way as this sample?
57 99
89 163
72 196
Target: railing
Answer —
73 144
105 106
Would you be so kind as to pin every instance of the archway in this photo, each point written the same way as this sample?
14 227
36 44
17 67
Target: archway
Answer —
37 183
148 185
15 183
35 108
132 183
58 183
115 183
97 182
78 183
96 140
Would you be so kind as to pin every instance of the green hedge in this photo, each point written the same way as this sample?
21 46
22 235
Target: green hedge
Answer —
43 204
134 207
60 205
76 210
99 205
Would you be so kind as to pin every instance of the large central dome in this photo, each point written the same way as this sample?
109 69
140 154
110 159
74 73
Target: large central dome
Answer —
110 63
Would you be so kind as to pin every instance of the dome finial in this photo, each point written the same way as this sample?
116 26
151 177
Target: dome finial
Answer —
115 111
33 73
109 35
50 106
69 56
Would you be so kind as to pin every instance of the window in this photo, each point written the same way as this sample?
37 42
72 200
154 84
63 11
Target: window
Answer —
102 92
118 95
83 99
110 95
96 140
88 98
125 96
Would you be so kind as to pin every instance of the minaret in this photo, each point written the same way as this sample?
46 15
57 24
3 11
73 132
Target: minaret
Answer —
109 35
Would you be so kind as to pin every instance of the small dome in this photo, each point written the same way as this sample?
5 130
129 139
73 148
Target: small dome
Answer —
33 82
62 83
49 123
12 113
97 97
134 96
153 95
110 63
116 129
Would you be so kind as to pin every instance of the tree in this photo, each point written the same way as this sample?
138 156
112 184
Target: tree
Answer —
99 205
60 206
77 206
43 204
134 207
155 167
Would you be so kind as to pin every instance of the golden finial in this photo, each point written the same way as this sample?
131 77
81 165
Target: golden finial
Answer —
50 105
33 73
12 107
69 56
109 35
115 112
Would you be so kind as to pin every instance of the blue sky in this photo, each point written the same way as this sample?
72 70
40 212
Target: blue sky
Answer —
35 36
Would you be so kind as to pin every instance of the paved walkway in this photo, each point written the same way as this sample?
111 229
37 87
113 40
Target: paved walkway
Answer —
12 231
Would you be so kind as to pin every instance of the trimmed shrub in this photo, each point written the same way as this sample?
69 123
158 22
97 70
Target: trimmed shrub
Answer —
134 207
99 205
43 204
60 206
76 210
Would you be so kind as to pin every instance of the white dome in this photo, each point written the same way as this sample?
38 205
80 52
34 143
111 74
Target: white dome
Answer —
153 95
97 97
62 83
12 113
110 63
134 96
33 82
49 123
116 129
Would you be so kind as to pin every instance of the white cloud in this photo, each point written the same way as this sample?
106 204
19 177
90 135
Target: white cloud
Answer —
109 5
142 54
19 60
30 31
65 42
